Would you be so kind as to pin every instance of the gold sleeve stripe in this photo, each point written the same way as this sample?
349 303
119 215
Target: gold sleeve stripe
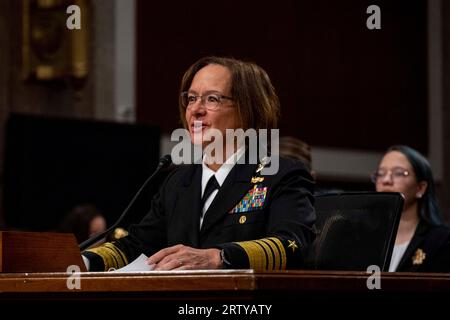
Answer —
119 255
268 255
274 262
115 256
122 255
265 254
255 254
112 256
281 252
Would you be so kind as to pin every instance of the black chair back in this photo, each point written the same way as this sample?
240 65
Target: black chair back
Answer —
355 230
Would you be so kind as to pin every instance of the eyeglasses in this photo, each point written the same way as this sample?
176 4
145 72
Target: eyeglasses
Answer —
211 101
396 174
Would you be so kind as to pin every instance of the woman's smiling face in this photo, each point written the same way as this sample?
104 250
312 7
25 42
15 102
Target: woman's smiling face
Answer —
211 79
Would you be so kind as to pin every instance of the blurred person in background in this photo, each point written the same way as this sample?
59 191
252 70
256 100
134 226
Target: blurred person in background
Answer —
83 221
423 240
297 150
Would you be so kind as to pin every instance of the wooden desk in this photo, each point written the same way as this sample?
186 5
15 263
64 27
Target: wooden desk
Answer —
220 284
227 294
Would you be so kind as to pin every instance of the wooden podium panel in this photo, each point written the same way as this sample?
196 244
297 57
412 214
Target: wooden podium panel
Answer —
38 252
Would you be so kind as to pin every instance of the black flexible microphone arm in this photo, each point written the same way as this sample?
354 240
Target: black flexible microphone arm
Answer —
164 162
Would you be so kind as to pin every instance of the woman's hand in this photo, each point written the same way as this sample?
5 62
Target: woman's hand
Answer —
182 257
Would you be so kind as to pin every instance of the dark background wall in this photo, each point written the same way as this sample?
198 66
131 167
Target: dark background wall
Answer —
444 190
93 100
341 85
53 165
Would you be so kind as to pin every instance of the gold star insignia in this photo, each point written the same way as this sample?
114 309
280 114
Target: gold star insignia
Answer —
418 257
292 245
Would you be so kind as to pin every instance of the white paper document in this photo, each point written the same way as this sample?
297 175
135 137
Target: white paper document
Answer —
138 265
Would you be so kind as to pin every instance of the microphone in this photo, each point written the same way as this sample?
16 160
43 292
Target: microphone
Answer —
164 162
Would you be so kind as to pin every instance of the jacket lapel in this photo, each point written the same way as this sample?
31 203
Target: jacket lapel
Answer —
416 240
233 189
188 208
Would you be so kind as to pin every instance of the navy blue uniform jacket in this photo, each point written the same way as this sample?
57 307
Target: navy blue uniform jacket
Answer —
261 224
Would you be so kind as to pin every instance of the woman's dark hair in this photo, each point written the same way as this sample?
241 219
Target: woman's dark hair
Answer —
428 205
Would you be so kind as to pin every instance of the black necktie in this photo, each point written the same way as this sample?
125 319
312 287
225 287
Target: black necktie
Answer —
210 187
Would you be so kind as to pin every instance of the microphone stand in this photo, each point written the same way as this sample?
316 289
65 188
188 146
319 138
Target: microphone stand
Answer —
164 162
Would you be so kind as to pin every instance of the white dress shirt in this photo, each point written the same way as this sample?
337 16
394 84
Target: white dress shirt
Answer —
397 254
221 174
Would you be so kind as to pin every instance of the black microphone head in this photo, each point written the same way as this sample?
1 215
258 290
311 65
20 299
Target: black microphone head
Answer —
165 161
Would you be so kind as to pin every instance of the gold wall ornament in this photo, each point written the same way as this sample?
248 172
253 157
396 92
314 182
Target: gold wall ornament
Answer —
50 50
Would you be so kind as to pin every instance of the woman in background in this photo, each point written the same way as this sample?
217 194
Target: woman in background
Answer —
423 240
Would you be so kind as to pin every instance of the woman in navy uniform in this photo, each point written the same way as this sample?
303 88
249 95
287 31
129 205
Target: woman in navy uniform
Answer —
423 241
212 215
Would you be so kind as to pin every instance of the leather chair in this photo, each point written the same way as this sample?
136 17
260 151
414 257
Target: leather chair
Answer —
355 230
